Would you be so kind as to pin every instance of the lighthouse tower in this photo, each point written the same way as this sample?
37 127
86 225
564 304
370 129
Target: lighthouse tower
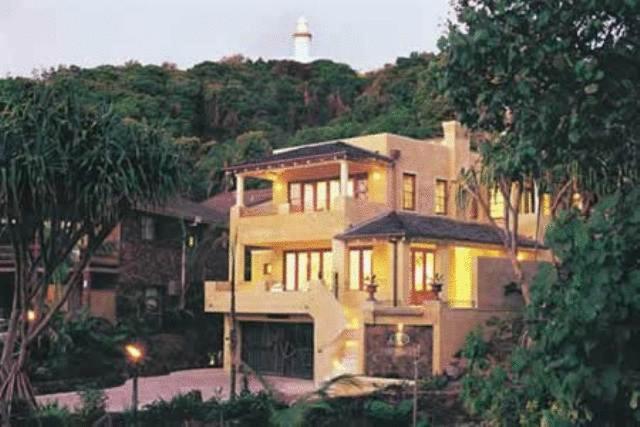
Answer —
302 41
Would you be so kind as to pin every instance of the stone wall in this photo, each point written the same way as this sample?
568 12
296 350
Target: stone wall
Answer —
390 353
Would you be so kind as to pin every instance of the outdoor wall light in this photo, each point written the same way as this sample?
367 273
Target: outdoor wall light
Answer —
31 316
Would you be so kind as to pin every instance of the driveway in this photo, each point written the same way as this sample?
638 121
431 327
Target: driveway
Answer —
167 386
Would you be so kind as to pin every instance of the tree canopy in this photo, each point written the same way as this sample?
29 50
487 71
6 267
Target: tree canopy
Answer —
69 171
553 89
215 105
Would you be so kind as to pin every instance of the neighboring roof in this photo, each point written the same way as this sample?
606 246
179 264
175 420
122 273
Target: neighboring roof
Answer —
179 207
412 226
313 152
221 203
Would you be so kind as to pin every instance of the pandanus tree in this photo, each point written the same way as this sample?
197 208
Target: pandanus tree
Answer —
69 171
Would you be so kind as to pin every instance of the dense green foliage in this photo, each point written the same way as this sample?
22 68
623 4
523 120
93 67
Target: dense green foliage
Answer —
554 87
64 349
69 172
583 363
234 109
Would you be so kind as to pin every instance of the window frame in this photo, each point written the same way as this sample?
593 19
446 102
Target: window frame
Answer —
413 178
297 252
424 251
361 250
444 198
328 202
147 224
492 195
528 199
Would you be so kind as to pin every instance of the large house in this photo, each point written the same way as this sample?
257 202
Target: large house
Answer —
362 261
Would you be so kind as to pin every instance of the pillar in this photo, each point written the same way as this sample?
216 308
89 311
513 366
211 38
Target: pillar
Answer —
239 190
344 177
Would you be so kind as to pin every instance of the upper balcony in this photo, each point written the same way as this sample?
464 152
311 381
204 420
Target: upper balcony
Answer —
317 190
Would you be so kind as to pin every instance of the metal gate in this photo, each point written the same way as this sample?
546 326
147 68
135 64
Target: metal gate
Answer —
274 348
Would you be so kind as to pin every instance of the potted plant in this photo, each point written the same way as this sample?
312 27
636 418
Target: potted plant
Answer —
437 284
371 286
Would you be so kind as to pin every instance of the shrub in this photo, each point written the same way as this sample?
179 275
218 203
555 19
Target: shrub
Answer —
93 405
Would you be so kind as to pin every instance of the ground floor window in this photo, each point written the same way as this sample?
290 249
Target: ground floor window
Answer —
423 262
360 267
301 266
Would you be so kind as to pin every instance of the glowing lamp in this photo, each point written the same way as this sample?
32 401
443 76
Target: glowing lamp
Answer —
376 176
31 316
134 352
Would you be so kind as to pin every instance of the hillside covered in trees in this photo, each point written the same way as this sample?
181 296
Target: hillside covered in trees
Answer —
236 108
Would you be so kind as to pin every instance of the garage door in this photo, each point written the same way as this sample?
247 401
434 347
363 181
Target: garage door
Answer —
283 349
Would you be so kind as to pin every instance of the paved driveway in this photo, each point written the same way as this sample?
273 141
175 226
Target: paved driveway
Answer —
167 386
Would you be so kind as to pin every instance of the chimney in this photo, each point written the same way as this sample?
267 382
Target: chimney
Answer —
453 131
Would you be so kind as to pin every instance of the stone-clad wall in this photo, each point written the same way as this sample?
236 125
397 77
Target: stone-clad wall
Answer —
390 353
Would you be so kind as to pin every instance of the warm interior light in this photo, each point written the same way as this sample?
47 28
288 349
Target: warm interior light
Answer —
376 176
31 315
134 352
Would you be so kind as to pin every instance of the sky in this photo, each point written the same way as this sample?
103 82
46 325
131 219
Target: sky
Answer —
366 34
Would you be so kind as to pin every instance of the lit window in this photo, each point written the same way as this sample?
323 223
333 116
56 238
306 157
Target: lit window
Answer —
320 195
496 204
546 204
360 267
309 199
442 197
334 192
408 192
423 269
576 201
147 228
302 266
528 200
295 196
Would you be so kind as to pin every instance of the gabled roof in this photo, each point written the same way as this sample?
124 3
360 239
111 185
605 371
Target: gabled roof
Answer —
179 207
313 152
221 203
413 226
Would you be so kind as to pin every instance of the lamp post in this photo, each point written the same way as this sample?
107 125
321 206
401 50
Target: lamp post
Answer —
135 355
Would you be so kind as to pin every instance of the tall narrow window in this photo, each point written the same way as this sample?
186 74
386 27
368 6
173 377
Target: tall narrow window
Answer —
147 228
442 197
423 269
361 188
496 204
360 267
546 204
309 197
290 271
327 266
295 196
321 196
334 192
528 200
409 192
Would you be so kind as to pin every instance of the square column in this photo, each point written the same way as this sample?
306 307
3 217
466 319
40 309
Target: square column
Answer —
344 177
240 190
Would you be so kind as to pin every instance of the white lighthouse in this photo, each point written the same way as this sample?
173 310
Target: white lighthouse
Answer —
302 41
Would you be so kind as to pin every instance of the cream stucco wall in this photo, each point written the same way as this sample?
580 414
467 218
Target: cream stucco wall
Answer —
471 294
